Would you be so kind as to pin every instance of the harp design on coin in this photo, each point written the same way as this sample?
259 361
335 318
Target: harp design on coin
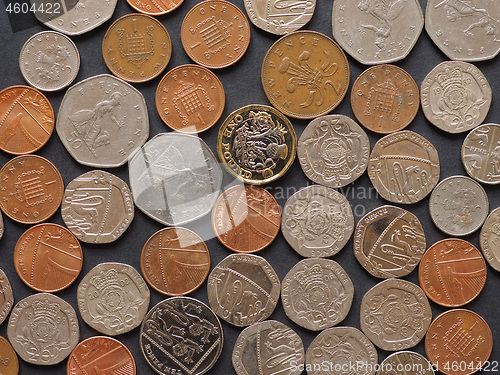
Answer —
137 47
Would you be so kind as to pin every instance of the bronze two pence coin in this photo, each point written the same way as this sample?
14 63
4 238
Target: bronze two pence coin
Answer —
9 364
155 7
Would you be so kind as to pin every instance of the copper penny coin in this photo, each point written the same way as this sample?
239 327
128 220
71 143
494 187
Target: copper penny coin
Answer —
48 257
31 189
458 342
26 120
9 364
101 355
190 99
154 7
136 48
6 296
175 261
452 272
246 218
385 99
215 34
305 74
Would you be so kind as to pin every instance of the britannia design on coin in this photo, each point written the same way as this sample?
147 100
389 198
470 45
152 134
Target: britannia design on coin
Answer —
6 296
489 239
481 154
411 363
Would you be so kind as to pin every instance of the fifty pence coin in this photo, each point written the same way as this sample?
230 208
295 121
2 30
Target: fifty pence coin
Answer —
410 363
333 150
317 221
458 206
480 154
175 178
43 329
6 296
113 298
489 239
9 364
153 7
269 346
243 289
455 96
317 293
181 335
97 207
395 314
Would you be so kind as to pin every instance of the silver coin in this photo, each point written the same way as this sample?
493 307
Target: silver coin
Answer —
480 154
49 61
181 336
466 30
243 289
6 296
374 32
97 207
317 294
317 221
405 362
43 329
175 178
113 298
268 348
489 239
102 121
395 314
455 96
341 351
333 150
458 206
280 18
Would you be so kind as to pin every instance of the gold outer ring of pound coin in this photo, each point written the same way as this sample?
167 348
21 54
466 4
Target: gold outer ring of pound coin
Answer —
236 144
305 74
154 7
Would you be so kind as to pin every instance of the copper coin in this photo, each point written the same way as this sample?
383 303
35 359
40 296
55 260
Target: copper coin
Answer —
458 342
26 120
9 364
246 218
190 99
175 261
154 7
385 99
136 48
305 74
452 272
48 257
101 355
31 189
215 34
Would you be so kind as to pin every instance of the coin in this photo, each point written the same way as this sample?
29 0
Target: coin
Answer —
455 96
175 178
215 34
27 120
243 289
97 207
458 337
246 218
269 346
458 206
31 189
489 239
49 61
181 335
452 272
9 364
100 355
395 314
136 48
175 261
102 121
6 297
256 144
317 221
389 242
376 33
385 99
480 154
190 99
305 74
405 362
280 18
333 150
404 167
43 329
317 294
464 30
1 225
154 8
341 348
113 298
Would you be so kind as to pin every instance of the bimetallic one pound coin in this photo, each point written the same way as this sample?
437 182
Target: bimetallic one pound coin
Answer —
481 154
406 362
489 239
9 364
155 7
6 297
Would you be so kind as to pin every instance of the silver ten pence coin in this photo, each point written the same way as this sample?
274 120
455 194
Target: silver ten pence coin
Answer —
102 120
113 298
333 150
489 239
455 96
405 362
6 296
481 154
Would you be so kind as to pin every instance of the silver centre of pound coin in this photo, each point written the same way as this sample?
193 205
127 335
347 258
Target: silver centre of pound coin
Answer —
6 296
489 239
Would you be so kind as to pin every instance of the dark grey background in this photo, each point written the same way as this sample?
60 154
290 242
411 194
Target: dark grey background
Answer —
243 86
